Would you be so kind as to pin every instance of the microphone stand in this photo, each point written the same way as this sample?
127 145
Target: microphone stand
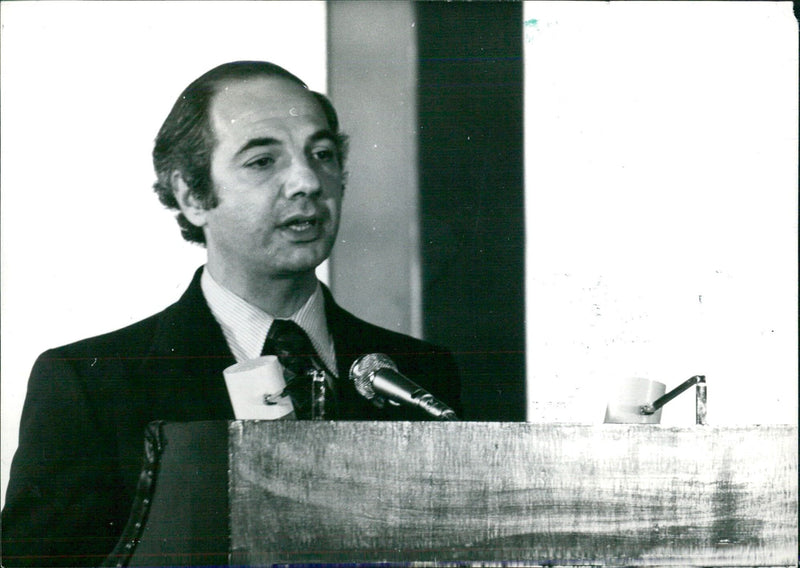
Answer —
701 398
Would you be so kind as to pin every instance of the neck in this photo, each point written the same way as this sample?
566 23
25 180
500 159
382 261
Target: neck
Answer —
278 296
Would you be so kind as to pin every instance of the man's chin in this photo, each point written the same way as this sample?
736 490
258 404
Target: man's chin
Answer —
300 263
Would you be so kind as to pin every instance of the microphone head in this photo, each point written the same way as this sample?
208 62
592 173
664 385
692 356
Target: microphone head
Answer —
363 369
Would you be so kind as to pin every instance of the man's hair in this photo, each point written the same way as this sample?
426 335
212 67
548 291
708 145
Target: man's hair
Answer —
185 142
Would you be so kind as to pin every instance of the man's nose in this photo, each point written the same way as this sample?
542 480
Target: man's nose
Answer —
301 179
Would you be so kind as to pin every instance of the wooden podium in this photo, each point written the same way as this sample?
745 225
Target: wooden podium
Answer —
249 493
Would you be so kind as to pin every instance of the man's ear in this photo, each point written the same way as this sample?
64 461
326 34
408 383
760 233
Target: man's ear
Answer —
191 207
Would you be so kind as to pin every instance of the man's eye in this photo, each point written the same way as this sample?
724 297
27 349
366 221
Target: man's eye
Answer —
324 155
260 162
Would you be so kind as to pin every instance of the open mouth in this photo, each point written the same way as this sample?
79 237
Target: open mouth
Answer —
301 225
302 228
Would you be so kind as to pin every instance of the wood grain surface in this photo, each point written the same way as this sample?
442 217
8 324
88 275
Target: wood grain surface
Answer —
509 492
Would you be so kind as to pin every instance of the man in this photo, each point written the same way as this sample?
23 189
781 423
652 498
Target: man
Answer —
253 161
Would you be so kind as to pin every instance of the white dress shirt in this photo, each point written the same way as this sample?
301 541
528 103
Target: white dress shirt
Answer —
245 326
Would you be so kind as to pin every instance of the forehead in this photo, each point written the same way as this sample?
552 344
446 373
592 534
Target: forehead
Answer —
248 105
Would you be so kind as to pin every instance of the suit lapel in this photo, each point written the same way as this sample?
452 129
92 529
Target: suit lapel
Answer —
346 343
189 354
351 339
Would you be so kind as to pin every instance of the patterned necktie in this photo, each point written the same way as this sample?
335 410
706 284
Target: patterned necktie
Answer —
304 371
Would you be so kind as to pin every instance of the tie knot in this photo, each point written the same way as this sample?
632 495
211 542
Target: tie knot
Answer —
288 337
291 344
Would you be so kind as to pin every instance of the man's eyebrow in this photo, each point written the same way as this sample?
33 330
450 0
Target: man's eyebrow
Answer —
322 135
257 142
269 141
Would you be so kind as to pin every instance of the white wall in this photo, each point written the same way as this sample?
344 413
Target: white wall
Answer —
86 247
661 200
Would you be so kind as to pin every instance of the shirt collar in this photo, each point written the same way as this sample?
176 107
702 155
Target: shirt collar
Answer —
245 326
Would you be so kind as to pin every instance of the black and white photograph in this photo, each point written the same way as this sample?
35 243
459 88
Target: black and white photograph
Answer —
395 283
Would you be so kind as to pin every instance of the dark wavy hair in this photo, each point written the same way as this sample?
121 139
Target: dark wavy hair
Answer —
185 142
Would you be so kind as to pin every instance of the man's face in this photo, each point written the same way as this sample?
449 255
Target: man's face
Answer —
276 173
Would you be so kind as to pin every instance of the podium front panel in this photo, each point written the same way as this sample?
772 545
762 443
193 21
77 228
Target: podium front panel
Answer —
543 494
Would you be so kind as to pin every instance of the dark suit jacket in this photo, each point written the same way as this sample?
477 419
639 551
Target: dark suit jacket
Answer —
80 451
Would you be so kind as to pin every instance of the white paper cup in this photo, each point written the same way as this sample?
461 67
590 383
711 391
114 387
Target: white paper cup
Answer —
249 382
629 396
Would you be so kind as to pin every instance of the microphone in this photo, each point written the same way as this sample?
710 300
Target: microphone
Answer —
376 378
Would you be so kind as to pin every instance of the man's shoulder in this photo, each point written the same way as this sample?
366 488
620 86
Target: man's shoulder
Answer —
138 336
134 337
368 333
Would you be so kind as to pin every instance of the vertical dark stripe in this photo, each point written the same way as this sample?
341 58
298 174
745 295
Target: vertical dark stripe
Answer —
470 97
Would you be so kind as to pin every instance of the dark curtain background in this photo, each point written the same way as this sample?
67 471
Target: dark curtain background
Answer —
472 196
